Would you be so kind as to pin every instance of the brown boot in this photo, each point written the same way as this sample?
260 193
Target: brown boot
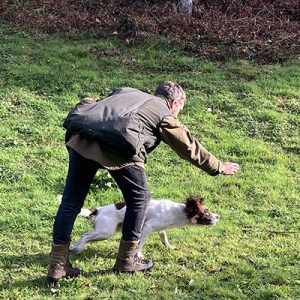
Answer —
60 265
127 261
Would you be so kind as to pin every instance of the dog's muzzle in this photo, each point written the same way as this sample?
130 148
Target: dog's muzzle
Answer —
214 219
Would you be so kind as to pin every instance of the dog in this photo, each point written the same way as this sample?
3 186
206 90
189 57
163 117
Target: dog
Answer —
161 215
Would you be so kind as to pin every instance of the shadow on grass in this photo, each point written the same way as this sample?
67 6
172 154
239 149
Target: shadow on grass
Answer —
46 289
21 274
25 260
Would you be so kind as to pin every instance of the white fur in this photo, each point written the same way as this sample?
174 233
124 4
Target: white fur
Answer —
161 214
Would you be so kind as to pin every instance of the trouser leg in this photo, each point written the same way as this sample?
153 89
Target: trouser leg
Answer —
133 184
80 175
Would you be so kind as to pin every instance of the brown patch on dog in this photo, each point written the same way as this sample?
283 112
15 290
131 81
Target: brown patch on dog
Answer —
93 211
119 205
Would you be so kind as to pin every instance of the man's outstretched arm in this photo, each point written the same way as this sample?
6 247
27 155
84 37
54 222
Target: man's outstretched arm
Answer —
179 138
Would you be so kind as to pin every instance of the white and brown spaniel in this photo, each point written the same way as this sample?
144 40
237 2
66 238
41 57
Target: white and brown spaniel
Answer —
161 215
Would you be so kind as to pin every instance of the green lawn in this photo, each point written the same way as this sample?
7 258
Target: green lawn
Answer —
240 111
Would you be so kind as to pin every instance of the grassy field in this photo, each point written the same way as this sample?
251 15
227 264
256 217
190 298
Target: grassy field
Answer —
240 111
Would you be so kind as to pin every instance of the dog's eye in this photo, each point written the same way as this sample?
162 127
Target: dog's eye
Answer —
207 215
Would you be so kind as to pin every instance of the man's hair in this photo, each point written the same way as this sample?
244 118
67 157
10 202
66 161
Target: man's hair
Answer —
171 91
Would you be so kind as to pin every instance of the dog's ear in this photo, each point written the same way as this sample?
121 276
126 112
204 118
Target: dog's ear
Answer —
200 199
195 199
192 208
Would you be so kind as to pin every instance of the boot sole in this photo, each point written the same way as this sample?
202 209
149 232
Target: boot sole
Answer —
55 281
117 272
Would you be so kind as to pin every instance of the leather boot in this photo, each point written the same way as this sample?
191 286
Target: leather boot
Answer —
127 260
60 265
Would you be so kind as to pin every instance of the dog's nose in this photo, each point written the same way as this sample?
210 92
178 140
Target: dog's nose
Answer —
215 218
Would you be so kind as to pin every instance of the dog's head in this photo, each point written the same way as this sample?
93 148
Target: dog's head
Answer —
198 213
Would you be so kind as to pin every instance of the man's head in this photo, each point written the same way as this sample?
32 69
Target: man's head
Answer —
175 95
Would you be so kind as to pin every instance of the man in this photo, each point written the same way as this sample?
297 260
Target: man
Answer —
117 134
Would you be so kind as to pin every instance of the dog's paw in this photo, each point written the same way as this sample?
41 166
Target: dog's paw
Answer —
169 246
76 249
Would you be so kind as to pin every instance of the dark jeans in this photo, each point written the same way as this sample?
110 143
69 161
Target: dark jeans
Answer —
130 179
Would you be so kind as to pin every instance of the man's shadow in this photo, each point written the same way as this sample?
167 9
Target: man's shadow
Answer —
10 262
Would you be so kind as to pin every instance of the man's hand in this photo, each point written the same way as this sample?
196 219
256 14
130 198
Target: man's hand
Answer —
230 168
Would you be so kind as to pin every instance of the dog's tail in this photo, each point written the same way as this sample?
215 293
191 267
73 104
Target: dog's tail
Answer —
85 212
88 212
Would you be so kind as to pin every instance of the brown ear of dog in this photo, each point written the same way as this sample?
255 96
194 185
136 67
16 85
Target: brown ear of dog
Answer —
120 205
193 207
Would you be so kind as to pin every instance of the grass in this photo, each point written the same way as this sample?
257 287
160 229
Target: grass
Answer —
240 111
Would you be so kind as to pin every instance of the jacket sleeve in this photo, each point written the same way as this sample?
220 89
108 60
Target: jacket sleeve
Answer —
179 138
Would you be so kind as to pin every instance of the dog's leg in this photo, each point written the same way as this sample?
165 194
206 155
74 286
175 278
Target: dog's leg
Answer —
87 237
163 237
93 236
147 229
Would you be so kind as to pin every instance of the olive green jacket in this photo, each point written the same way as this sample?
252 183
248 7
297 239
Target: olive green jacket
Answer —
171 131
125 123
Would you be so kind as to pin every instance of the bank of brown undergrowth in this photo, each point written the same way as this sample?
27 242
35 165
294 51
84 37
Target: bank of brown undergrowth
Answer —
268 31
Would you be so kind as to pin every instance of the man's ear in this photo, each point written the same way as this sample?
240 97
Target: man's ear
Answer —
172 107
171 103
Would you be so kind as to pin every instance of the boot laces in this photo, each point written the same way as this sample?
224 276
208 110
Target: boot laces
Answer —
140 260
